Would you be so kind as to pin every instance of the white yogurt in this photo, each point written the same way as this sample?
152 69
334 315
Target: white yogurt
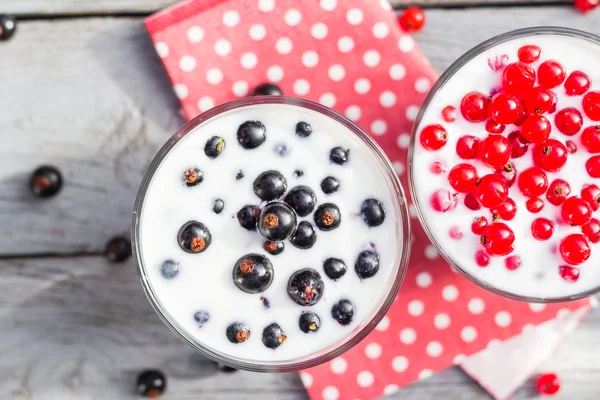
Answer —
538 276
204 281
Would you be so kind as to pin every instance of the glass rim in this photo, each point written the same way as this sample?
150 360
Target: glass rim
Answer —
442 80
354 336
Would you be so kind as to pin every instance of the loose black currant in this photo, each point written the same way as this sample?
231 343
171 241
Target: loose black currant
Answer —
251 134
214 146
267 89
372 212
305 287
8 26
192 177
253 273
194 237
151 383
237 332
274 248
201 317
277 221
302 199
303 129
169 269
45 181
248 217
305 236
218 206
342 311
330 185
339 156
328 217
309 322
273 336
367 264
118 249
334 268
239 175
270 185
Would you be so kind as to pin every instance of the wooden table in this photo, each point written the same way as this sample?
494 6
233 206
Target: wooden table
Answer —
81 88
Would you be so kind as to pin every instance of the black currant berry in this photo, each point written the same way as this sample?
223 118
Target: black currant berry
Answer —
151 383
218 206
330 185
372 212
342 312
118 249
267 89
194 237
192 177
277 221
253 273
305 287
309 322
303 129
328 217
270 185
302 199
251 134
239 175
274 248
201 318
237 332
8 26
367 264
248 217
273 336
334 268
169 269
305 236
214 146
45 181
339 156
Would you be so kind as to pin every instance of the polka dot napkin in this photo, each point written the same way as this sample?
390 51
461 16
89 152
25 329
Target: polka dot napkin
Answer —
352 57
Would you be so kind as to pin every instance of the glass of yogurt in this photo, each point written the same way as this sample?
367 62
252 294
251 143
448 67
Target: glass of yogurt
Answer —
271 234
504 164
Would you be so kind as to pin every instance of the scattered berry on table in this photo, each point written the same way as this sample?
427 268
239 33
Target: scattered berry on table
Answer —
339 156
305 236
558 191
218 206
267 89
536 128
118 249
237 332
412 19
169 269
518 144
442 200
550 155
529 53
590 139
372 212
214 146
551 74
433 137
568 121
273 248
305 287
576 211
534 205
328 217
585 6
302 199
533 182
591 194
575 248
591 105
504 108
334 268
542 228
474 107
45 181
273 336
303 129
592 230
592 166
538 100
513 262
193 177
253 273
491 191
343 311
518 77
548 384
478 225
248 217
568 273
330 185
498 239
251 134
367 264
277 221
270 185
481 258
467 147
8 26
309 322
463 177
449 114
151 383
201 318
239 175
194 237
577 83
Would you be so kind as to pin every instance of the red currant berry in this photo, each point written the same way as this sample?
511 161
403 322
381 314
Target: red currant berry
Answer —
433 137
568 121
495 151
449 114
442 200
590 139
491 191
577 83
538 100
569 274
550 155
513 262
504 108
463 177
482 259
592 166
493 127
591 194
509 173
467 147
506 210
529 53
478 226
536 128
592 230
518 144
518 77
571 147
585 6
471 202
412 19
575 248
576 211
533 182
474 107
591 105
558 191
498 239
542 228
438 167
522 118
455 233
551 74
534 205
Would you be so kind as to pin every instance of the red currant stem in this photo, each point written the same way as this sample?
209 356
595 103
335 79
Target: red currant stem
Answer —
483 240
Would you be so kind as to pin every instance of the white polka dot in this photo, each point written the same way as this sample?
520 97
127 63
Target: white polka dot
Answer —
431 252
371 58
336 72
162 49
310 58
493 343
373 351
205 103
424 279
459 358
345 44
187 63
307 379
292 17
406 43
383 324
397 72
275 73
412 210
528 328
283 45
503 319
240 88
400 364
416 308
441 321
562 313
222 47
301 87
365 379
450 293
476 306
434 349
257 32
331 393
327 99
408 336
387 99
403 140
231 18
381 30
266 5
378 127
354 16
328 5
353 113
319 31
385 4
362 85
214 76
390 389
338 365
422 85
248 60
181 91
537 307
195 34
412 112
399 167
468 334
424 374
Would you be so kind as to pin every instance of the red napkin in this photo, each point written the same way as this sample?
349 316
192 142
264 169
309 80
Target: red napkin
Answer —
353 57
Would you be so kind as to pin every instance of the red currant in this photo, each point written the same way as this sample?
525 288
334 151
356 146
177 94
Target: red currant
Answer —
438 167
591 194
591 105
491 191
471 202
412 19
592 166
534 205
522 118
590 139
513 262
463 177
551 74
542 228
498 239
474 107
550 155
482 259
592 230
433 137
568 121
568 273
538 100
504 108
506 210
571 147
585 6
577 83
529 53
442 200
495 151
467 147
536 128
558 191
575 248
518 77
576 211
455 233
478 226
533 182
494 127
509 173
518 144
449 114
